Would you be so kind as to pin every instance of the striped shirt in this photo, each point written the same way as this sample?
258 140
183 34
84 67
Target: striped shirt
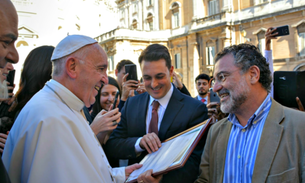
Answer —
243 144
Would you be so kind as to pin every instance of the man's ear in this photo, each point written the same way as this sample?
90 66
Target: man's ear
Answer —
171 70
254 74
71 67
116 72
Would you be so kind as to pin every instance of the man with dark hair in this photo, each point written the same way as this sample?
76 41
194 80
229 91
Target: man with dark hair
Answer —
156 115
260 140
202 86
120 71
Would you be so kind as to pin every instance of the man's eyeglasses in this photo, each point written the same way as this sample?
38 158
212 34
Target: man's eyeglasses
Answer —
222 77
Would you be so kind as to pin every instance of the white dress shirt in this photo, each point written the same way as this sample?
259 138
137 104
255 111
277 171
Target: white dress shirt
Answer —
163 104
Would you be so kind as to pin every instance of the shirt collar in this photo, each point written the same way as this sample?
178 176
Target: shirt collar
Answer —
257 115
199 98
164 100
66 95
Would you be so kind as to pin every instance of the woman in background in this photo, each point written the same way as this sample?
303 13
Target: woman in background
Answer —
36 72
105 97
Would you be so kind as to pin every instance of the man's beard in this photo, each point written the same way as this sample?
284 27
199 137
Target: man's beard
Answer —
202 92
234 102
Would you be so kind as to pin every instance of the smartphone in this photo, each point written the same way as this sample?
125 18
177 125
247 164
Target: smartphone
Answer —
131 69
282 31
213 96
116 99
10 78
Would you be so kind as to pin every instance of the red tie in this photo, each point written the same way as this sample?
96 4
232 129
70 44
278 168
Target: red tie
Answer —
153 126
203 100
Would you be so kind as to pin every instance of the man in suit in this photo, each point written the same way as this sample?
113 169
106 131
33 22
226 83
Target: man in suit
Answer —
260 140
139 132
202 86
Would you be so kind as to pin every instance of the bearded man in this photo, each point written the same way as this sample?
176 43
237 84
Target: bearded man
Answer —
260 140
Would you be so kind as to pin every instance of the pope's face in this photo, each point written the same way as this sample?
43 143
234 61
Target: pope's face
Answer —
93 75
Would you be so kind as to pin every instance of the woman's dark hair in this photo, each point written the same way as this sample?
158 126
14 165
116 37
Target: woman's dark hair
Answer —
96 108
36 72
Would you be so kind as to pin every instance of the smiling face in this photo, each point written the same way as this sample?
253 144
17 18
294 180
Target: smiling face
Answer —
156 77
8 33
92 74
234 89
108 93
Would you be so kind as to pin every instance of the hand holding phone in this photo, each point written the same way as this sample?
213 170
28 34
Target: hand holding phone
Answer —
282 31
131 69
115 100
213 96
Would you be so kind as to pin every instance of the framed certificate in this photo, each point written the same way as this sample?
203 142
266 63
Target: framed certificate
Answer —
173 152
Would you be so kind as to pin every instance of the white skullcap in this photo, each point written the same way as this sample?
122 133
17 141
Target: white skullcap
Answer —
71 44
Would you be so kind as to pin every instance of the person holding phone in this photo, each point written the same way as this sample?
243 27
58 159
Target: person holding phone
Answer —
260 140
161 112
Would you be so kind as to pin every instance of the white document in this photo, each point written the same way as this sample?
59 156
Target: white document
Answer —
169 154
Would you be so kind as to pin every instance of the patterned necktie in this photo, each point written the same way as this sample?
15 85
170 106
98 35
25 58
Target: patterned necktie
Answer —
153 126
203 100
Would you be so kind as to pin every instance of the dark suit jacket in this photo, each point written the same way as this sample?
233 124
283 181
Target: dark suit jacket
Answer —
3 174
181 113
280 154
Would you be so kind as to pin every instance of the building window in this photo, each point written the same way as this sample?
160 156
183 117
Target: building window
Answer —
213 7
135 8
210 53
150 22
301 40
256 2
134 24
110 63
176 15
149 2
261 41
178 64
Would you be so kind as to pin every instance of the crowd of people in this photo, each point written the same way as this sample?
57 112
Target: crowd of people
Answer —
70 122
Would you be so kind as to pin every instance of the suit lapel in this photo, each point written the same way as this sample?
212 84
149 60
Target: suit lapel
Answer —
269 142
142 112
173 108
222 144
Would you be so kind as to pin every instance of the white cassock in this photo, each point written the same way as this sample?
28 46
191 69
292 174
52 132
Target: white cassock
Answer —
52 142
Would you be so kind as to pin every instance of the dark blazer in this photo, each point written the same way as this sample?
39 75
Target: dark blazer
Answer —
280 154
181 113
3 174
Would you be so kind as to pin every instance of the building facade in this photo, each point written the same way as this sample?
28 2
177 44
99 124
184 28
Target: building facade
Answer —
195 30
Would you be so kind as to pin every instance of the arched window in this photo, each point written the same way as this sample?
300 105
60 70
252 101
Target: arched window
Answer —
175 15
134 24
149 2
150 21
301 39
178 64
261 41
22 43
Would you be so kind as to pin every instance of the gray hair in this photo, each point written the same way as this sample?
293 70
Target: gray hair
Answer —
245 56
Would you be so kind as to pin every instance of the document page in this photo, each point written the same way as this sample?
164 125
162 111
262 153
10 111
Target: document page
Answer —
168 153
